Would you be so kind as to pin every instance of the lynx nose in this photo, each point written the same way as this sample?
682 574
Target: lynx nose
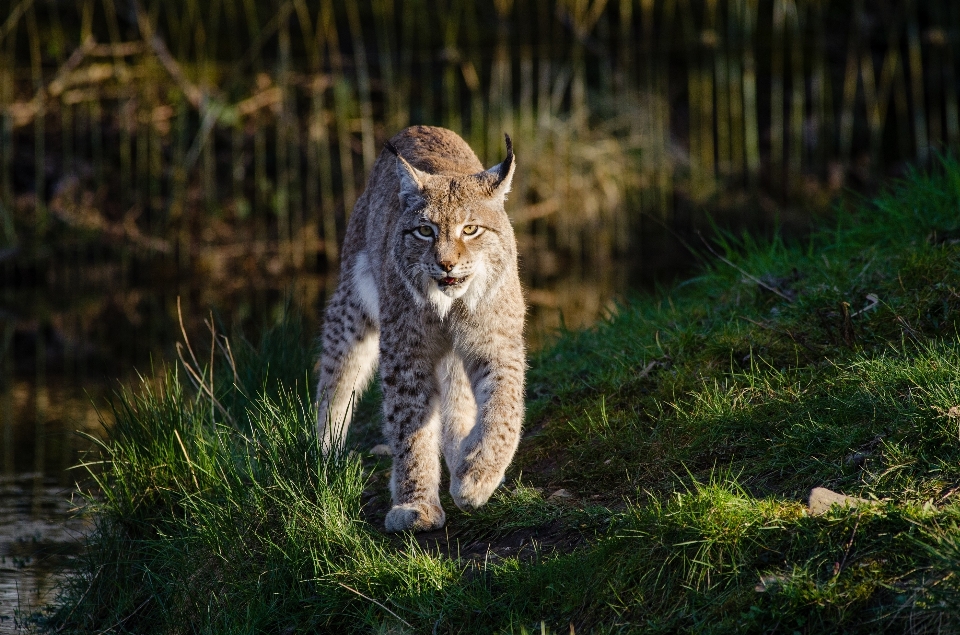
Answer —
447 265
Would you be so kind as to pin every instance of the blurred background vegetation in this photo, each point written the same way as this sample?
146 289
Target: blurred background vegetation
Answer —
151 150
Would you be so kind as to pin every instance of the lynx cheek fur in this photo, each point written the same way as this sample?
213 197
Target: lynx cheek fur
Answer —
429 289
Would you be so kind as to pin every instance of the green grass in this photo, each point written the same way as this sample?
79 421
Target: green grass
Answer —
688 427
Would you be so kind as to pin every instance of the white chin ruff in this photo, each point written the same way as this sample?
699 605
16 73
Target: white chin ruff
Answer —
442 299
471 292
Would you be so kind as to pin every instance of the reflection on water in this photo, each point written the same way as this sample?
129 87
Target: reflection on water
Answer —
39 530
39 537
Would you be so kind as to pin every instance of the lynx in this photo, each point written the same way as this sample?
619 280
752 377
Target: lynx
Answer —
429 289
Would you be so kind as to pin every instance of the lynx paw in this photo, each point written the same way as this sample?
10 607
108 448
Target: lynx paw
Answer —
473 490
415 517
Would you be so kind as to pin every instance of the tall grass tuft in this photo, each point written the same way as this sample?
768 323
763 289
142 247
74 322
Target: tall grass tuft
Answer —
211 500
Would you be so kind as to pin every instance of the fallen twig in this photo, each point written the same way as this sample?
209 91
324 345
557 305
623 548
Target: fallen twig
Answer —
132 613
752 278
774 329
375 602
874 302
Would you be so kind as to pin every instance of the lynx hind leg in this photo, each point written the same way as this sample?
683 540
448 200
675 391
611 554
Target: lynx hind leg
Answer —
349 359
458 410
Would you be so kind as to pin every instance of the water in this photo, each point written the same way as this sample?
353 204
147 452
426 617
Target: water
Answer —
40 535
40 529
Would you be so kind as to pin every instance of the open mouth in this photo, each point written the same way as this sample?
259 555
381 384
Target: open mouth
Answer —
449 281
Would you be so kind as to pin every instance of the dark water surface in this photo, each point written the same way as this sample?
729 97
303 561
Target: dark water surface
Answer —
40 529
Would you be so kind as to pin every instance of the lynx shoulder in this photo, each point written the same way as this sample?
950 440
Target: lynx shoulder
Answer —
429 290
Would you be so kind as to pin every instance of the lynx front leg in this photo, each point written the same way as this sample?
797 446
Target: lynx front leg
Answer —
350 350
412 427
458 408
487 451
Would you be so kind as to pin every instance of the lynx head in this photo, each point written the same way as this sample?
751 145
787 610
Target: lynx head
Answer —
454 239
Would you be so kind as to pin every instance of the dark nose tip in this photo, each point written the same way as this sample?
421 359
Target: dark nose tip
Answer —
446 265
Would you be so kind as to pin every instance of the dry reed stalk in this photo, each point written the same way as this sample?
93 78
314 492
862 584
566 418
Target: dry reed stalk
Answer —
750 105
423 110
952 109
699 47
524 119
691 61
820 111
500 109
707 48
113 26
7 89
778 45
735 45
344 107
309 203
7 400
157 139
605 73
39 121
525 106
141 159
283 180
915 57
178 198
450 27
722 72
796 23
647 85
368 145
933 85
628 49
322 151
877 95
848 105
206 46
127 121
385 28
406 46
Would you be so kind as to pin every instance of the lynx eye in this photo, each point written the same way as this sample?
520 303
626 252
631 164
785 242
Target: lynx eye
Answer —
424 231
470 230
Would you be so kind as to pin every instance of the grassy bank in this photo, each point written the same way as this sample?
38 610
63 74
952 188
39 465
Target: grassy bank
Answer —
685 433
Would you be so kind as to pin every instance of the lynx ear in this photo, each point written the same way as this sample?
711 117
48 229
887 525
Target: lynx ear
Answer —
411 179
500 176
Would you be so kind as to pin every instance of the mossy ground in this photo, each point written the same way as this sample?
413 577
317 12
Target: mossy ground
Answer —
686 429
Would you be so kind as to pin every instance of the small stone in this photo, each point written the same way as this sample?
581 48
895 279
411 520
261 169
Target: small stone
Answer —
560 493
381 449
769 582
857 458
821 500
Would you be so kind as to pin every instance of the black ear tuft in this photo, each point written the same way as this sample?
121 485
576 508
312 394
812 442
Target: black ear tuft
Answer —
507 163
